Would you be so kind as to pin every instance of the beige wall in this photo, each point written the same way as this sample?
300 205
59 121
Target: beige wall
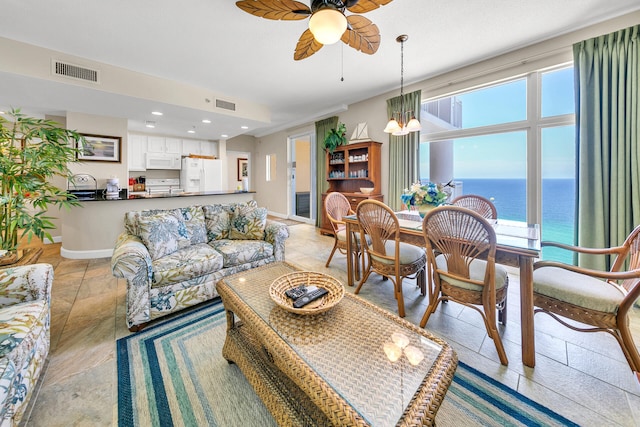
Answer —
273 194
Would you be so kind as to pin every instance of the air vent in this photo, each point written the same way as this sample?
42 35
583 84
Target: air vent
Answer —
60 68
225 105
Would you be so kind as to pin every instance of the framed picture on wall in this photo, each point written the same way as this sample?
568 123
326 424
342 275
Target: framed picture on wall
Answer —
100 148
243 169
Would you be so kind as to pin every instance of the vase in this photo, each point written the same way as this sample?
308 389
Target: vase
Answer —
423 209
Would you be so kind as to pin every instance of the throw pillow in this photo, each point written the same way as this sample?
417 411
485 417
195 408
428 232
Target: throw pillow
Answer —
163 234
193 218
216 220
248 223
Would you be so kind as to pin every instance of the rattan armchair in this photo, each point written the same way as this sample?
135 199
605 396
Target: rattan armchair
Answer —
599 299
336 207
461 247
385 253
478 204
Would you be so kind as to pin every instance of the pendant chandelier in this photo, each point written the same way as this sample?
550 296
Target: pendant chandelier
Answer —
402 122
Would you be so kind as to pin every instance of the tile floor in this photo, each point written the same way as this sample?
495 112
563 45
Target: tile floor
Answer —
582 376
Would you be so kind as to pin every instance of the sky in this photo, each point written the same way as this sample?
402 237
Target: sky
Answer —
504 155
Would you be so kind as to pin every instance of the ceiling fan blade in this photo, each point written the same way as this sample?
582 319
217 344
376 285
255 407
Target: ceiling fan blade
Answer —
363 6
285 10
362 34
307 46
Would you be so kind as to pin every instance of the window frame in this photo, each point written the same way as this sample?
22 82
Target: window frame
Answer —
533 126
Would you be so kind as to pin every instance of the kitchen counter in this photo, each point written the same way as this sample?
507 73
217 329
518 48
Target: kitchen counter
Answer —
124 195
91 229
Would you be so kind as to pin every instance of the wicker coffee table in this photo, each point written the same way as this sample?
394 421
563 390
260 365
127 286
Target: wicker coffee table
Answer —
331 368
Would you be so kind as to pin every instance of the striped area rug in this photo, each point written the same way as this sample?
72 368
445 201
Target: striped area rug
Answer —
173 374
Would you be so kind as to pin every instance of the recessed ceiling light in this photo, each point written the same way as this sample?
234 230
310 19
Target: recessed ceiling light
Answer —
206 121
244 127
150 124
156 113
224 135
191 131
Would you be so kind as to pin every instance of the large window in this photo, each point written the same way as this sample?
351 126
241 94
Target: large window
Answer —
484 139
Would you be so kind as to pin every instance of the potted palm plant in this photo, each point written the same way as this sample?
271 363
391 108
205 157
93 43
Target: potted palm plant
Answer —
32 152
335 138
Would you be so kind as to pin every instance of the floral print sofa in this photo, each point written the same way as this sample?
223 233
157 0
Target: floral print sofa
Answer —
172 259
25 301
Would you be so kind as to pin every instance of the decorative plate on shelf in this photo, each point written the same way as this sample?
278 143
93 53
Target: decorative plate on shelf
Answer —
307 278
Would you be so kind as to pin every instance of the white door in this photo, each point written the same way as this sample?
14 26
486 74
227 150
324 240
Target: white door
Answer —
302 177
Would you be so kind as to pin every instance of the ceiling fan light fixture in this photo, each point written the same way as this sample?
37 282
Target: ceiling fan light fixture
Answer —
327 25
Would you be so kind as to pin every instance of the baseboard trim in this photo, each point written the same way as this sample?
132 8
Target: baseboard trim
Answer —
277 215
100 253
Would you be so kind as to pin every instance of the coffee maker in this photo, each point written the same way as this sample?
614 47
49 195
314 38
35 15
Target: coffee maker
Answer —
113 189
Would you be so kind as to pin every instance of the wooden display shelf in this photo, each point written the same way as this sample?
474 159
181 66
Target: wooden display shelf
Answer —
349 168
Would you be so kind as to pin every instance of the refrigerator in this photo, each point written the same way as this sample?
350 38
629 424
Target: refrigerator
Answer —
201 174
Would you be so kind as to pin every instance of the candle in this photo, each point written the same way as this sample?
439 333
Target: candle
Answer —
414 354
400 339
392 351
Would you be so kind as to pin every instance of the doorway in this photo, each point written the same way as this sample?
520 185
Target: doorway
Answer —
302 177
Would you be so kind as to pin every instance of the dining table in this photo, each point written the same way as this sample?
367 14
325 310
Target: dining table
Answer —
517 245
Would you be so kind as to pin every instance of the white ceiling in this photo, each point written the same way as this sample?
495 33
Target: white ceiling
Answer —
212 44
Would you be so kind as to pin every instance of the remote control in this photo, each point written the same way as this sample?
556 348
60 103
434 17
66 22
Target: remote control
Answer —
295 293
301 290
310 296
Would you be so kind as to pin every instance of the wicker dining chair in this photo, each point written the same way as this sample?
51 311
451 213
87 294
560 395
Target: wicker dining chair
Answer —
336 207
478 204
599 299
385 254
461 247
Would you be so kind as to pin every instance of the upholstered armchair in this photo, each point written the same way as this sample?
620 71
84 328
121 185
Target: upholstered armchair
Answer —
25 300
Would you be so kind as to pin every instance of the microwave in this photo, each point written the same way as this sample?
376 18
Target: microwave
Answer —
163 161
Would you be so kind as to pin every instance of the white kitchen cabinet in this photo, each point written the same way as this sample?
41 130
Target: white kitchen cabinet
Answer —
173 145
198 147
191 146
160 144
136 149
208 148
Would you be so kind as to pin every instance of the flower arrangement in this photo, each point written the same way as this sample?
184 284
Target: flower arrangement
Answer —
429 194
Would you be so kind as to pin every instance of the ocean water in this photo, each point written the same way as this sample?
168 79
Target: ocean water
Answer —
558 207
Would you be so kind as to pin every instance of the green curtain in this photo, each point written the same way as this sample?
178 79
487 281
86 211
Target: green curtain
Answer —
607 140
403 150
322 127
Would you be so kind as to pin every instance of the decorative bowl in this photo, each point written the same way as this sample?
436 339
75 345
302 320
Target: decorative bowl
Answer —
308 278
366 190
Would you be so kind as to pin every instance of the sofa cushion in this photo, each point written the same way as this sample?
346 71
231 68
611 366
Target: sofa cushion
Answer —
237 252
193 218
247 223
216 219
163 233
185 264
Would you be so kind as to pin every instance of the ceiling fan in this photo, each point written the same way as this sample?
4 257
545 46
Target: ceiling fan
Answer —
327 23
